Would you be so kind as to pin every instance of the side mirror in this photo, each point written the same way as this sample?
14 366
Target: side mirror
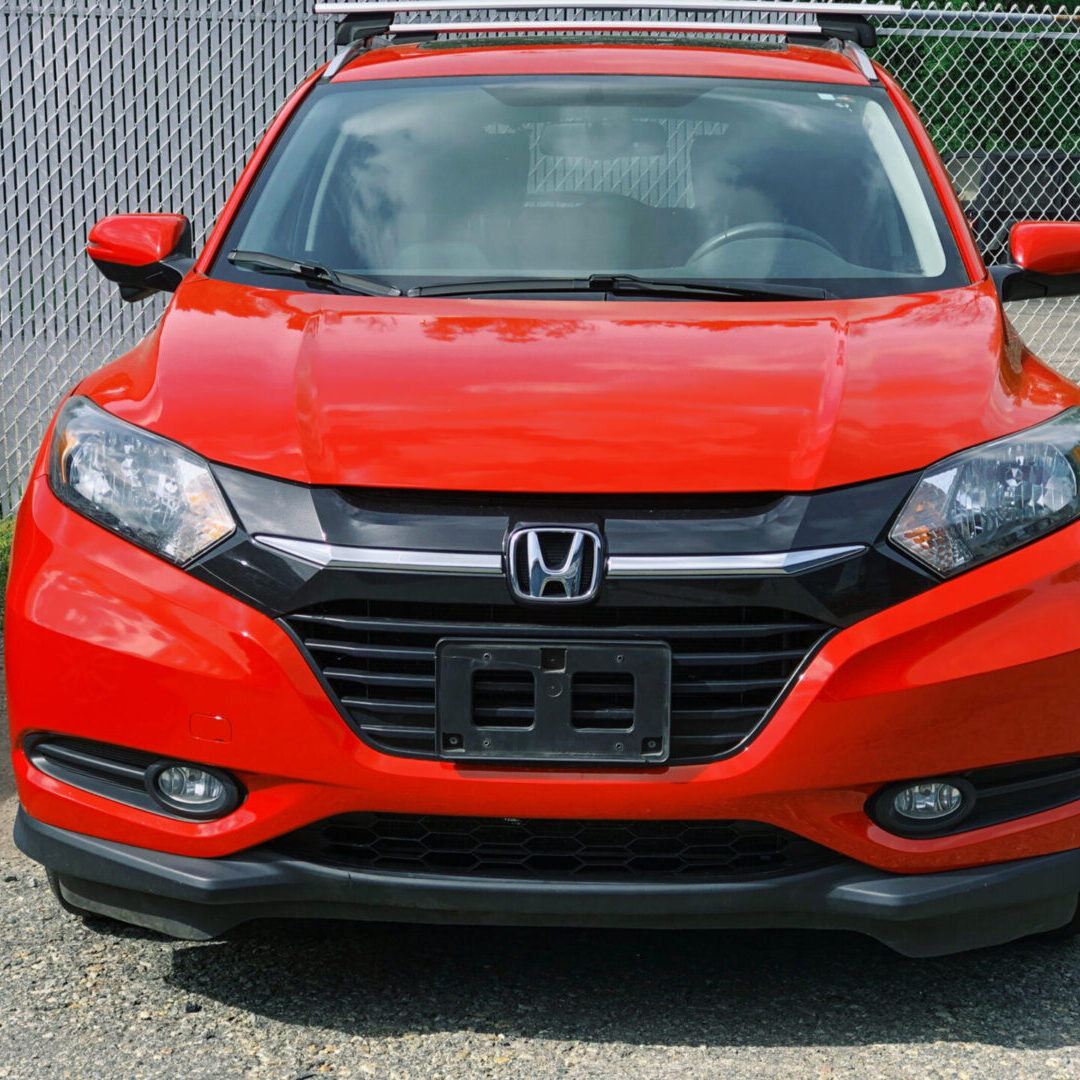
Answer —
1046 247
142 253
1046 261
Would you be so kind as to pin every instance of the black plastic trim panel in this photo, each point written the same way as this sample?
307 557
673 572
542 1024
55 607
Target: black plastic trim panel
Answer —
114 772
632 525
120 773
916 914
1001 793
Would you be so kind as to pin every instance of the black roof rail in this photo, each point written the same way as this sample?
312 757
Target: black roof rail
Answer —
354 29
834 20
856 29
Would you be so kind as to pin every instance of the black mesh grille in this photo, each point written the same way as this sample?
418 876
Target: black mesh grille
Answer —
548 849
728 666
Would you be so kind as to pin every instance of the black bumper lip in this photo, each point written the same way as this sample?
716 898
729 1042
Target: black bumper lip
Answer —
918 915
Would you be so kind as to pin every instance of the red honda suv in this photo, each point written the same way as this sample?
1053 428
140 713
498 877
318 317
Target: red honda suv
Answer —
582 480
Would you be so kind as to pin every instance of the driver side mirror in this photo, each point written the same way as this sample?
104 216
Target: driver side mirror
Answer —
1046 261
142 253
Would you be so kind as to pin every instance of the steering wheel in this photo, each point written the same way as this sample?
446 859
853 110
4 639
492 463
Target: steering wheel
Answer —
761 230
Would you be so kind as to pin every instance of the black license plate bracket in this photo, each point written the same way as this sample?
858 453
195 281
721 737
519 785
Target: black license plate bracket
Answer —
590 702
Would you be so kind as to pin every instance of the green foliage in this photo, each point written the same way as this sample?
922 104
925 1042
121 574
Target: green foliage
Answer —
989 92
7 531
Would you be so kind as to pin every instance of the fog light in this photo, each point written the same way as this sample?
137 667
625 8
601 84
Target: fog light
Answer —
190 786
192 790
923 807
929 801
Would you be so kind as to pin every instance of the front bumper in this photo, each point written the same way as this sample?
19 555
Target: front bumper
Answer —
917 915
105 642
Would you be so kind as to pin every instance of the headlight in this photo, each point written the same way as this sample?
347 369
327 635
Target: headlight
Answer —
983 502
138 485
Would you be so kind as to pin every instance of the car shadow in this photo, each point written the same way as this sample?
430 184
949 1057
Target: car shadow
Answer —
751 988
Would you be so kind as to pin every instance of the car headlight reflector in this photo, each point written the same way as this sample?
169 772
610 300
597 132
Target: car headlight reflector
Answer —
986 501
143 487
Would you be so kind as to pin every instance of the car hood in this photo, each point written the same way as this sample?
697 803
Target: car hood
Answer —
579 395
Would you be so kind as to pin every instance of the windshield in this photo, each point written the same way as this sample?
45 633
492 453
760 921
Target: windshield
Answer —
414 182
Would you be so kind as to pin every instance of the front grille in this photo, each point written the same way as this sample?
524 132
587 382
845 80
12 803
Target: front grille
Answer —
549 849
729 667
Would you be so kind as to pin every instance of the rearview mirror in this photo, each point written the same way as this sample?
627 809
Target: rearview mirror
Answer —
142 253
1045 261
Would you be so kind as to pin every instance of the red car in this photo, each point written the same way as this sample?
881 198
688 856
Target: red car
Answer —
584 481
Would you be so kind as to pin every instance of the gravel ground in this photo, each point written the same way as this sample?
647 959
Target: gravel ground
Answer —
288 1001
295 1001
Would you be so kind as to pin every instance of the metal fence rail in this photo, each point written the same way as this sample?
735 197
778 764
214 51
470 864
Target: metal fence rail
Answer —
121 105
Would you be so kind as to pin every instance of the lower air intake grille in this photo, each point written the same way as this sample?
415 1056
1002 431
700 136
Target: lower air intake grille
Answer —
548 849
114 772
729 666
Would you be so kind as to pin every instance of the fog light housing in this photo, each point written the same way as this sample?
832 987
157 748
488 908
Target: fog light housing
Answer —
196 791
923 807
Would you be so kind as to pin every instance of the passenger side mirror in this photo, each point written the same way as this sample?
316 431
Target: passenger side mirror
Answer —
1046 247
1045 261
142 253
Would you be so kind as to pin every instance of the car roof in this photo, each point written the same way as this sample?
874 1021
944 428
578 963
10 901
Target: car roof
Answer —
796 63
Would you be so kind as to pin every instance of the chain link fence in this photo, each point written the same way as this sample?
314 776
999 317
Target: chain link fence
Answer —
143 105
112 107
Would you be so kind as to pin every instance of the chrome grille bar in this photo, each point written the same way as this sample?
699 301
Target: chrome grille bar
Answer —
394 560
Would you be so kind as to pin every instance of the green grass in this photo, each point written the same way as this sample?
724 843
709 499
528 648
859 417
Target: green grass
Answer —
7 531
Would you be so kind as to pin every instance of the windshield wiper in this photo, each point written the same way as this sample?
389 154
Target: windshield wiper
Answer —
627 285
265 263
